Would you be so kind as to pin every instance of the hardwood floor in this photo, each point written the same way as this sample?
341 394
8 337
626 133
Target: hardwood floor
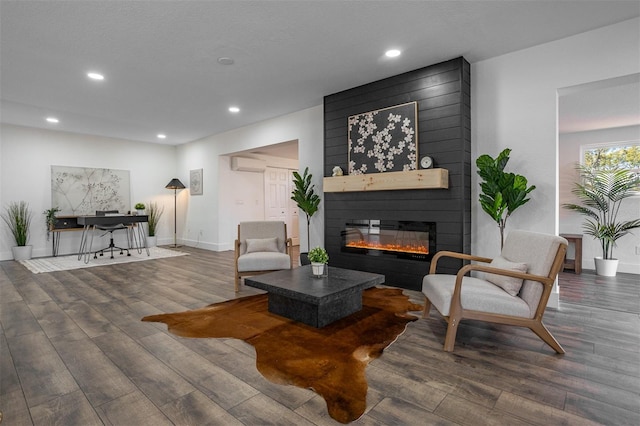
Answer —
73 351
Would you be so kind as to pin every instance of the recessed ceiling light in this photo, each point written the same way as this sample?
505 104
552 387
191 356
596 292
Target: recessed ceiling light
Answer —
392 53
95 76
225 60
53 120
162 136
234 109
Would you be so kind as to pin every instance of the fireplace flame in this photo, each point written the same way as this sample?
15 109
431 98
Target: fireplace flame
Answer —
401 248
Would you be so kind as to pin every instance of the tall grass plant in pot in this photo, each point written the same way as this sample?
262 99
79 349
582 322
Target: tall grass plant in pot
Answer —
18 216
155 213
600 192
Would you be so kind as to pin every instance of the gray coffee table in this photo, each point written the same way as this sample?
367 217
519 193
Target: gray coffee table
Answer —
298 295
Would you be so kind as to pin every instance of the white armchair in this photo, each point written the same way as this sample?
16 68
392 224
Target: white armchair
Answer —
513 288
261 246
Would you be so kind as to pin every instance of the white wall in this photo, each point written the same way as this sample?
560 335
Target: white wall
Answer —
514 105
26 157
216 212
571 222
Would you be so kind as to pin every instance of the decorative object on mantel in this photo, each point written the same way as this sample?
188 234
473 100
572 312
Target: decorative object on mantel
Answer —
330 360
18 216
318 258
195 182
502 193
307 200
601 191
175 184
337 171
384 140
415 179
426 162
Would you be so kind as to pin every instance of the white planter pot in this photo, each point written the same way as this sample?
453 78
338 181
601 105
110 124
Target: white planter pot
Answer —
152 241
606 267
21 252
318 269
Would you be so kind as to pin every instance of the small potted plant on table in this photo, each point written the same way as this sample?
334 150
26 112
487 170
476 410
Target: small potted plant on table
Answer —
318 258
140 208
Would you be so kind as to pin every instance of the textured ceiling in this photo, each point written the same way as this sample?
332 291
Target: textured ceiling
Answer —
160 57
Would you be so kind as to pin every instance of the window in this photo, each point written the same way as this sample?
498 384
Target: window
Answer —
625 155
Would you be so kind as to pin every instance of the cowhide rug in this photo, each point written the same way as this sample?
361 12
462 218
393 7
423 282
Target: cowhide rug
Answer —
330 360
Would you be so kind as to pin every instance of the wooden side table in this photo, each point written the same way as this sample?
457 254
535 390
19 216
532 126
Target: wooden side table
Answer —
576 263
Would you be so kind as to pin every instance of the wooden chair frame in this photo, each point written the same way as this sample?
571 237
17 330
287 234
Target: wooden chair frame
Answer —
457 312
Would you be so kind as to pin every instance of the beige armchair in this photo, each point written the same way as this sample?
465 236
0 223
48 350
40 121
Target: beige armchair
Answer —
512 289
262 246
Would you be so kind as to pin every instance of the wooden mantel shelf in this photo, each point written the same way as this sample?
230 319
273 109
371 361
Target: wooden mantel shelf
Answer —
414 179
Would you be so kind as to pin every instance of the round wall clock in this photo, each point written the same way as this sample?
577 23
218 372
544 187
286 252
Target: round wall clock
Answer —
426 162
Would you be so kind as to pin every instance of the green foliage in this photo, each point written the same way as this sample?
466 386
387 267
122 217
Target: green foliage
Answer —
601 191
17 216
139 206
155 213
502 192
318 255
618 157
50 219
305 197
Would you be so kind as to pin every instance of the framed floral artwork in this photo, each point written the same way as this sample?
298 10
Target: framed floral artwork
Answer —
195 182
84 190
384 140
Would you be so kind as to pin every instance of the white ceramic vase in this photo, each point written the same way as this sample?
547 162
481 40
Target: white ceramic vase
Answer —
21 252
606 267
317 269
152 241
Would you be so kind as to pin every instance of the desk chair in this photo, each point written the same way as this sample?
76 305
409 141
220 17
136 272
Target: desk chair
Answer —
109 230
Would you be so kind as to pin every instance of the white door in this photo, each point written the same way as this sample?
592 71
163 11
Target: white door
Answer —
278 204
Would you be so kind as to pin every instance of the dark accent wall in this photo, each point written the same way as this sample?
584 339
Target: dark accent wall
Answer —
444 133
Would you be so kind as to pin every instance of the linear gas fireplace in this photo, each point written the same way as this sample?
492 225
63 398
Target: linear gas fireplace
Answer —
402 239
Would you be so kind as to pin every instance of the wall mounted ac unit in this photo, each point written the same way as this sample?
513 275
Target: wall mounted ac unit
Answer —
248 164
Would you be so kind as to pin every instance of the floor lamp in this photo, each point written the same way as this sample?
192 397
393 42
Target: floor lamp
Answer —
175 184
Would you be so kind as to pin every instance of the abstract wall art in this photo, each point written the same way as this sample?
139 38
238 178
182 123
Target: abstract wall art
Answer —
83 190
384 140
195 182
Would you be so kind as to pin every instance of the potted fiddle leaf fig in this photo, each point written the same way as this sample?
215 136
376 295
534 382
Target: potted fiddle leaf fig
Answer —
155 213
307 200
18 216
601 191
318 258
502 192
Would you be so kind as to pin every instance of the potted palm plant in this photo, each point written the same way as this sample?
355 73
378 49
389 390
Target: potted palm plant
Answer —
318 258
155 213
307 200
502 192
17 216
601 191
